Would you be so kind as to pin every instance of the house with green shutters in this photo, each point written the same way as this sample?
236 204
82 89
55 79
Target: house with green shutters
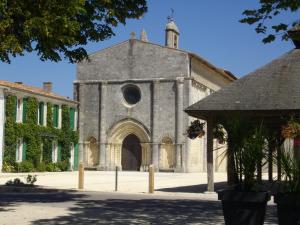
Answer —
38 129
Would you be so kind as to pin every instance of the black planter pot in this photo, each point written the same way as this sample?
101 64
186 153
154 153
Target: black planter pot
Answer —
244 208
288 208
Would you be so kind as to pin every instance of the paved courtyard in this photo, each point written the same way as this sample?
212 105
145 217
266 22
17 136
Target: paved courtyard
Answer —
111 208
179 199
128 182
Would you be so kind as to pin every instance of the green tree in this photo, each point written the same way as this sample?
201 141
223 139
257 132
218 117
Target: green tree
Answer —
58 29
263 16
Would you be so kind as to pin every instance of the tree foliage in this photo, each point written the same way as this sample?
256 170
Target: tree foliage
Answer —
266 12
58 29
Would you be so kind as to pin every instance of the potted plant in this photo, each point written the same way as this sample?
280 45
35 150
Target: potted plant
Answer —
196 129
288 196
245 202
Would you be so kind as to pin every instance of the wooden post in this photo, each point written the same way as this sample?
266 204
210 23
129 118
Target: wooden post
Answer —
151 179
210 156
80 176
116 181
279 163
272 149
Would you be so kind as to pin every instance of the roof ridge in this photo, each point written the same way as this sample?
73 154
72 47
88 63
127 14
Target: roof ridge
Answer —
34 90
221 71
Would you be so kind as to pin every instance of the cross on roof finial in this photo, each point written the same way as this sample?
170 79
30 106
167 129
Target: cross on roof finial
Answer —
171 18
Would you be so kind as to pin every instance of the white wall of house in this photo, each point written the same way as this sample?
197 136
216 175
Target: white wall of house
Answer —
2 119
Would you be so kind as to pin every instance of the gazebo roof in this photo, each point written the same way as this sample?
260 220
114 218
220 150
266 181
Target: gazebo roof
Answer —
274 87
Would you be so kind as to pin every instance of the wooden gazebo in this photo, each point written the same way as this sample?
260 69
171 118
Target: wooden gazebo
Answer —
269 94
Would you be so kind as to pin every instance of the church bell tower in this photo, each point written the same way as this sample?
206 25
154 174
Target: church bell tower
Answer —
172 34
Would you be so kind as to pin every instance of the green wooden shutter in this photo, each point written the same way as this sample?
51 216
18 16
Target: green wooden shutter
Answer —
24 109
24 151
16 108
41 112
55 115
72 117
58 152
76 157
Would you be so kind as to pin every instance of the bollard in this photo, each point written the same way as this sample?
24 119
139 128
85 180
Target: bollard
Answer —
80 176
151 179
116 181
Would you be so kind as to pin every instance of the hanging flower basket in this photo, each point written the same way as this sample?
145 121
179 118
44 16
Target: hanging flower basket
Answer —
201 134
288 131
291 129
196 129
219 134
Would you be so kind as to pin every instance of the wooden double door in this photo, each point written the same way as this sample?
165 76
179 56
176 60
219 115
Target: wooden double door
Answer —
131 153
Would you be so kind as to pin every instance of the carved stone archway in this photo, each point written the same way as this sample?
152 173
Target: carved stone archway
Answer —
115 140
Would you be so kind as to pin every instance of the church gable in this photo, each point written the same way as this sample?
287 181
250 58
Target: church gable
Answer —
134 59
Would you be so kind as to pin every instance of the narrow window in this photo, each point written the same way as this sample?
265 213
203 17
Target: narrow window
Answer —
45 114
42 152
175 41
75 119
19 110
41 114
20 150
54 151
71 156
59 116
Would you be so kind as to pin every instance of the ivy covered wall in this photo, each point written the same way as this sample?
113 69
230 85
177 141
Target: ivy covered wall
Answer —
38 139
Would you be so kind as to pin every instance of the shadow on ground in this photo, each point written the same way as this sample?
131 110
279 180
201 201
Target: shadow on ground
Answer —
8 200
147 211
201 188
87 209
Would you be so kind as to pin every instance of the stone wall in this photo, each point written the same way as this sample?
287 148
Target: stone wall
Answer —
134 59
164 77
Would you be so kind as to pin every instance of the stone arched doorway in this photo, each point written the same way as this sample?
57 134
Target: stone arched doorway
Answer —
92 153
128 133
131 153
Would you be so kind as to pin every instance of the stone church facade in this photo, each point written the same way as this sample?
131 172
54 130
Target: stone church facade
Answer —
132 96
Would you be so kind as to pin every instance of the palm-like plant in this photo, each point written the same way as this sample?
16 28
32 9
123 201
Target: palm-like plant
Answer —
291 172
246 150
249 156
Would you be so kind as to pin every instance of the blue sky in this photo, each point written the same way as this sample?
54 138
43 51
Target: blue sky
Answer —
209 28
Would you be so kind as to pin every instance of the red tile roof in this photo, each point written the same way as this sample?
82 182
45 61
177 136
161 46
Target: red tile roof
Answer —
34 90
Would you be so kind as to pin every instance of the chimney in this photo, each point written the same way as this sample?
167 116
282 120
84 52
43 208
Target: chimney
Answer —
294 34
19 82
47 86
144 36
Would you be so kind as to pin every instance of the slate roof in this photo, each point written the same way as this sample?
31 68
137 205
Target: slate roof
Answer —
34 90
275 86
